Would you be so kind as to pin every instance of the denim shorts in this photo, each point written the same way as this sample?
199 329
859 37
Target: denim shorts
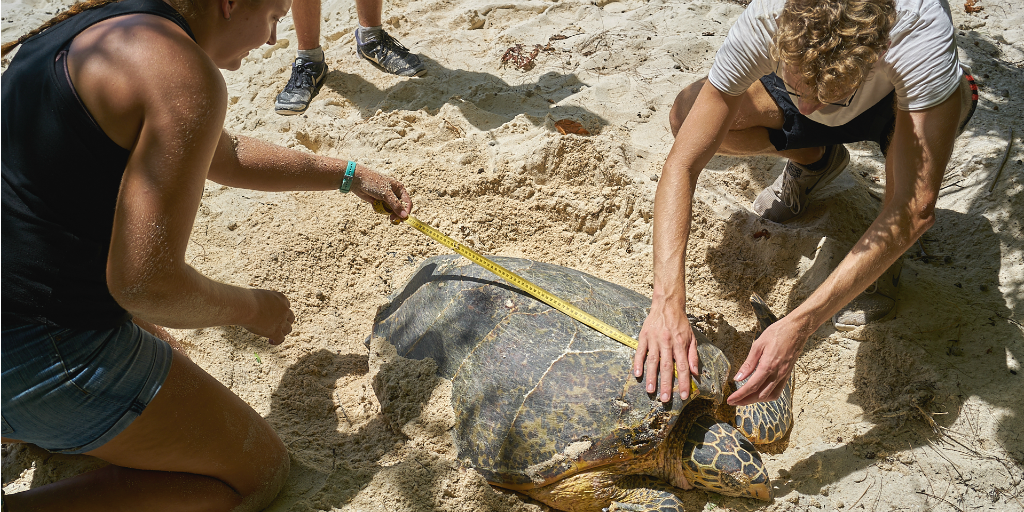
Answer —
73 390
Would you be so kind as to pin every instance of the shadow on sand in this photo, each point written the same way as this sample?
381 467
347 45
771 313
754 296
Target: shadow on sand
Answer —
487 104
952 342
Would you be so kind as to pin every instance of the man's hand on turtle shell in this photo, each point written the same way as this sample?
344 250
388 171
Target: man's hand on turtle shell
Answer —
666 340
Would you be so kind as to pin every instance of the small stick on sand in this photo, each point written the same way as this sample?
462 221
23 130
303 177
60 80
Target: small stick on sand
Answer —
999 171
344 413
863 493
943 499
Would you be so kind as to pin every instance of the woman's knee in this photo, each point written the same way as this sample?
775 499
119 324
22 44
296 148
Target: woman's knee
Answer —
271 473
196 425
684 102
261 462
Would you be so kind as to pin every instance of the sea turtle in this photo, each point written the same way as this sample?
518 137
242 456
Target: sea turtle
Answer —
548 406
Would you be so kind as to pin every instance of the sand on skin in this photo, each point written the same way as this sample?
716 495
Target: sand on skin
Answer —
477 146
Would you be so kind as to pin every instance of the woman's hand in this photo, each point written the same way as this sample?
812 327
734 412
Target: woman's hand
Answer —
666 340
273 317
371 186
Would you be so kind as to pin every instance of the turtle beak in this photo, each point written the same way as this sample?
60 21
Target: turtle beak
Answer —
762 492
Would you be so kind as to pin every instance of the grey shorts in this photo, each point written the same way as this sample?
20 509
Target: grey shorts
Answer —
73 390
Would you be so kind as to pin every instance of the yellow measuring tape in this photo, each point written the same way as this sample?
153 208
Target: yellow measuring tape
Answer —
525 285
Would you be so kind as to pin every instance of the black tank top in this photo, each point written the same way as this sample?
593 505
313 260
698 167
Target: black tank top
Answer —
61 176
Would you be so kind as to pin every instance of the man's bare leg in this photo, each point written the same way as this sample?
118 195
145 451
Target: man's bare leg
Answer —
161 333
309 71
369 12
749 133
306 15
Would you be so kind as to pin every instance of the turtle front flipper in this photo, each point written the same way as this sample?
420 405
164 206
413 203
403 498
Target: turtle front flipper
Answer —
764 314
765 422
718 458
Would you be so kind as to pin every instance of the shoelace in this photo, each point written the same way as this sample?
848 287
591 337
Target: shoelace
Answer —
303 77
790 189
387 42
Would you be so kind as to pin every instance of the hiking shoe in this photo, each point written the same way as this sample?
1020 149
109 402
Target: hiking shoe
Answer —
389 56
307 77
787 197
876 304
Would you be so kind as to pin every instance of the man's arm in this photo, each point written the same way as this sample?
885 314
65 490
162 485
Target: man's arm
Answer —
917 158
666 337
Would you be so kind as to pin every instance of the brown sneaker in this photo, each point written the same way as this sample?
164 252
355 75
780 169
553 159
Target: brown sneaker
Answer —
787 197
876 304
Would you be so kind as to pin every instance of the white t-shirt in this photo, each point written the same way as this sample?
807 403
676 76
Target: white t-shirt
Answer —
921 62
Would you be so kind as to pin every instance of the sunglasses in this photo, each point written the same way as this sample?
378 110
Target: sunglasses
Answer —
793 95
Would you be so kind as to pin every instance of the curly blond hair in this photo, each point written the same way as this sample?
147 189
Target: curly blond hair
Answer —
832 44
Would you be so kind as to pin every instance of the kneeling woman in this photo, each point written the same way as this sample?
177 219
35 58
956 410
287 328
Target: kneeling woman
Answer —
112 122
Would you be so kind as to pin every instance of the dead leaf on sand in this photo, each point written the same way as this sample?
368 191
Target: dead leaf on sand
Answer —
565 126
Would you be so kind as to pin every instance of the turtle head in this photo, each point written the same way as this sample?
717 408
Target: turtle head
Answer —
712 381
717 458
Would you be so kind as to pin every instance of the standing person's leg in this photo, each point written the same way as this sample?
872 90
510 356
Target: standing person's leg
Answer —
306 16
309 69
378 47
369 12
196 446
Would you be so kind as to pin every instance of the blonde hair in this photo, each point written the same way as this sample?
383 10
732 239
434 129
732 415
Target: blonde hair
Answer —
832 44
73 10
184 7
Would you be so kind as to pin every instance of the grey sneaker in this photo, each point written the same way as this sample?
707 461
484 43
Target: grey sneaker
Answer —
787 197
389 56
305 82
876 304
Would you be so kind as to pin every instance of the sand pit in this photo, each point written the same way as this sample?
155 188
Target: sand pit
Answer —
920 413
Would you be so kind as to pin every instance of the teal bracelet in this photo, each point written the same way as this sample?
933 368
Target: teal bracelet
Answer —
346 181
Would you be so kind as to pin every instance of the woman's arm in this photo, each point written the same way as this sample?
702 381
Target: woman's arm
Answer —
245 162
180 99
920 150
666 337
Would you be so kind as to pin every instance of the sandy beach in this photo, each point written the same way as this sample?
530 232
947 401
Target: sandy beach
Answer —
924 412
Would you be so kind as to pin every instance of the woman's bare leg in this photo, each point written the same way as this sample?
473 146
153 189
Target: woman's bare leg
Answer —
748 134
196 447
161 333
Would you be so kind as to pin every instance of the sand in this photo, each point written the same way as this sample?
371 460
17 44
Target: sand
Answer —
920 413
